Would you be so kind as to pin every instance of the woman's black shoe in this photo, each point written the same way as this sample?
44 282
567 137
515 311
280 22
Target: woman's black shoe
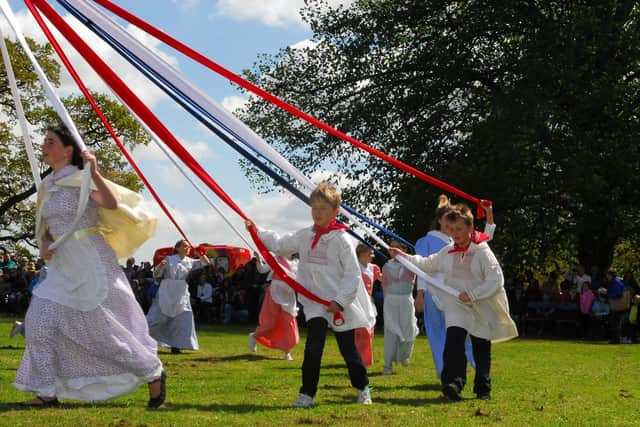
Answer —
175 350
155 402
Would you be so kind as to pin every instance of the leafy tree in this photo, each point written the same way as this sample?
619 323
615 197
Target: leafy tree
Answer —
534 105
17 219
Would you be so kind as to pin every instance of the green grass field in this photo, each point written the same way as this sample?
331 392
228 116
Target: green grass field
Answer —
535 382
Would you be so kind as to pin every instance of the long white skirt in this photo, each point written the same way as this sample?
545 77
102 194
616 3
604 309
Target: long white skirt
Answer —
400 328
88 355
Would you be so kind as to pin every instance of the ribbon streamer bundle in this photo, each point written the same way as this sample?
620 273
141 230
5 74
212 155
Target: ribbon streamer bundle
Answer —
213 116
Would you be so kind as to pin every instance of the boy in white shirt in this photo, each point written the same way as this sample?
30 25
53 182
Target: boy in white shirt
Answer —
329 269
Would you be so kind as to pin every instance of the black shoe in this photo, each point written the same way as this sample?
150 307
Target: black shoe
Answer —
40 402
175 350
483 396
452 392
155 402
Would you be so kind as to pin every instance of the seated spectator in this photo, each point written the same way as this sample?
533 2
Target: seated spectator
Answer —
586 301
618 305
600 311
517 304
235 308
204 302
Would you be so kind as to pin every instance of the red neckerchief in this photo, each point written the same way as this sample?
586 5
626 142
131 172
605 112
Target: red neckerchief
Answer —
333 225
476 237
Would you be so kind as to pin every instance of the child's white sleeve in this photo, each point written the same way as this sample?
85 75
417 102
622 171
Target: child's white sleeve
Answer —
280 245
490 230
431 264
351 278
493 278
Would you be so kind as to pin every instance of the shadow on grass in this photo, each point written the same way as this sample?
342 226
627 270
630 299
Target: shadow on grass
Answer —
248 357
10 347
222 407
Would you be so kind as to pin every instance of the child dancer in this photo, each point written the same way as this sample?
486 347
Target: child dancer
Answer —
400 323
431 243
370 273
481 309
277 325
328 268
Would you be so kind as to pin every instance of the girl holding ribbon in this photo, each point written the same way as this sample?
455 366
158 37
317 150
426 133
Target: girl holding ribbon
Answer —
86 337
170 316
329 269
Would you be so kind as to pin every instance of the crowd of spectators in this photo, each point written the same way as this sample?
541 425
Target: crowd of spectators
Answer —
18 276
216 294
572 304
577 305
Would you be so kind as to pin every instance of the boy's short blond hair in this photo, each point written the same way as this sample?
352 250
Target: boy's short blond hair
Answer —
328 193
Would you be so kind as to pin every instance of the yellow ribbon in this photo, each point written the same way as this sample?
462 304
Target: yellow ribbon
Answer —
79 234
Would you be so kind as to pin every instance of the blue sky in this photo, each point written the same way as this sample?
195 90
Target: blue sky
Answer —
232 33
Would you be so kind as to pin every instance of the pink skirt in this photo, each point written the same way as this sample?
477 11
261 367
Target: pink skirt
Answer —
277 329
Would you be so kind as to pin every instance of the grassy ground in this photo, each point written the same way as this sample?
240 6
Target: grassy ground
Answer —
535 382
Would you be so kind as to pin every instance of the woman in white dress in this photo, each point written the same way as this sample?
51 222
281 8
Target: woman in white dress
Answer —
86 336
400 323
170 317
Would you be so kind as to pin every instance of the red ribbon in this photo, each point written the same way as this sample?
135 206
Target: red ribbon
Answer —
102 117
196 56
125 93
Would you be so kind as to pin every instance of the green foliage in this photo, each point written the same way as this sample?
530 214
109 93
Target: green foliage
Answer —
17 220
534 105
535 382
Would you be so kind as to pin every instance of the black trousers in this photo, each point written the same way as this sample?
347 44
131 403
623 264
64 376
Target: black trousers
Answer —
455 361
313 349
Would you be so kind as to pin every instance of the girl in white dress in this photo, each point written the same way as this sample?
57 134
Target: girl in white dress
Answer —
400 323
86 338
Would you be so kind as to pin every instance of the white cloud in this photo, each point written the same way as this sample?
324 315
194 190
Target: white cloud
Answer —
278 212
273 13
307 43
234 102
146 90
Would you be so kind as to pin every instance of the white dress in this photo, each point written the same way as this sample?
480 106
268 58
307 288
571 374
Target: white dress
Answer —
80 349
170 316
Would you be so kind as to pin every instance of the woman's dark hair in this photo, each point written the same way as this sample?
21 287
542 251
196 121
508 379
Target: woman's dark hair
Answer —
177 245
65 136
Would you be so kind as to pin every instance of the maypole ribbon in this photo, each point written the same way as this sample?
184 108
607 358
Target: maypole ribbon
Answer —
198 57
22 119
197 103
171 87
64 116
125 93
98 111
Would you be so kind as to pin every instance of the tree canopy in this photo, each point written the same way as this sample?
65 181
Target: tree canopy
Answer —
16 183
534 105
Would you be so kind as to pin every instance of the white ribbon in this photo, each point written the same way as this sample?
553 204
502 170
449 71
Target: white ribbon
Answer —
35 170
62 113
